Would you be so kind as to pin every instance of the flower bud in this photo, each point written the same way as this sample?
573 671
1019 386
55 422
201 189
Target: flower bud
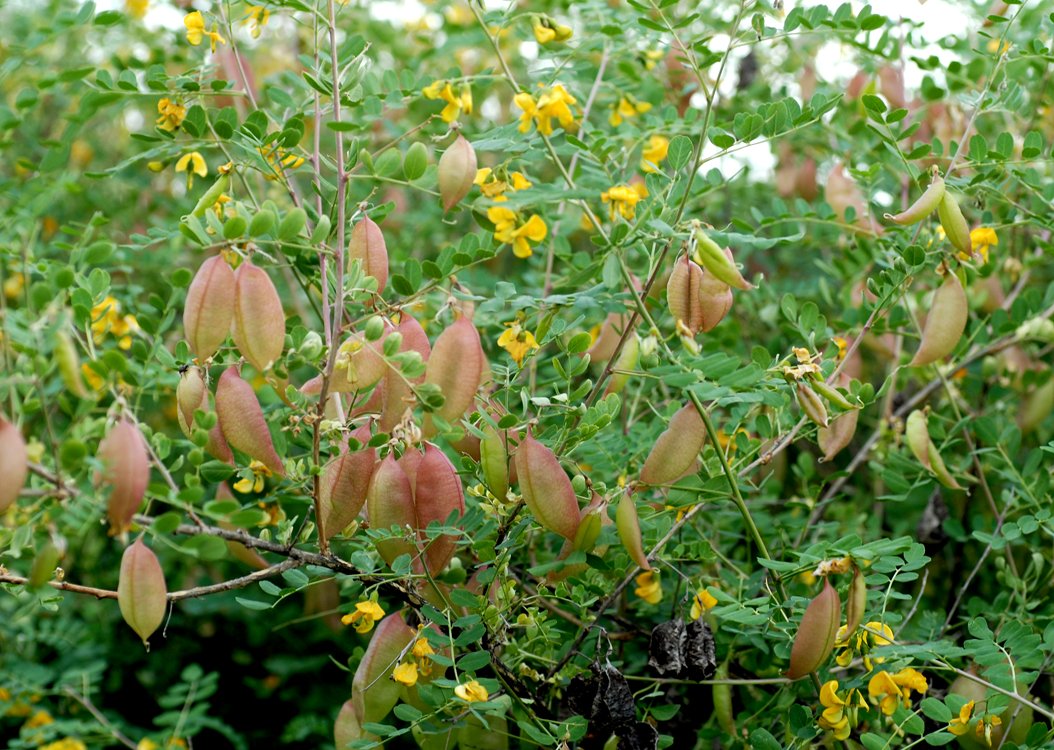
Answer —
718 261
344 484
366 245
628 524
945 322
259 321
141 591
209 308
311 347
546 489
192 396
923 207
457 171
14 464
126 469
456 367
242 421
816 633
677 448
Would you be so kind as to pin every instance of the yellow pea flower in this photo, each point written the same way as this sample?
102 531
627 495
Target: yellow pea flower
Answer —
627 108
170 114
862 642
258 16
887 690
255 482
623 200
494 183
366 614
649 588
423 652
196 31
553 103
39 719
136 8
455 103
656 150
542 33
961 724
405 674
13 285
981 238
193 164
66 743
702 602
509 227
517 341
840 714
472 692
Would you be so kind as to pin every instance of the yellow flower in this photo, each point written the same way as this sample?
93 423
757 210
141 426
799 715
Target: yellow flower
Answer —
627 107
193 164
257 481
455 103
39 719
494 184
279 158
106 318
92 378
702 602
961 723
422 652
623 200
981 238
553 103
136 8
510 227
146 744
839 715
993 47
170 114
67 743
13 285
654 152
258 16
887 690
366 614
472 692
406 674
649 588
862 643
517 341
195 24
843 346
543 33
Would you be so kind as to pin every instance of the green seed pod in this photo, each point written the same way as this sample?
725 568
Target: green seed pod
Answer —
322 229
627 522
347 728
259 320
209 197
590 522
816 633
722 696
262 223
292 224
209 307
676 450
14 464
917 436
390 502
832 394
940 470
69 364
457 171
44 564
546 489
1035 408
366 245
625 364
811 405
242 420
954 223
923 207
945 322
718 261
494 461
141 591
416 161
856 604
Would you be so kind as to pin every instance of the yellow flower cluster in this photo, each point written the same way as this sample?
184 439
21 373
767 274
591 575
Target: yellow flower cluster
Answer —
888 691
553 103
624 199
366 614
255 482
170 114
627 108
649 588
196 31
960 725
193 164
472 692
456 103
861 643
517 341
107 319
511 227
408 672
839 714
547 30
493 184
279 159
257 16
653 153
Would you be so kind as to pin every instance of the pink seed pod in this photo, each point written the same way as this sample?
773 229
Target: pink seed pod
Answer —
945 322
242 421
682 294
126 470
456 366
259 321
347 728
14 464
816 633
209 309
397 396
344 483
457 171
192 395
856 606
841 193
373 694
390 502
676 450
359 365
608 337
715 299
437 494
546 489
628 524
366 244
837 434
624 365
141 591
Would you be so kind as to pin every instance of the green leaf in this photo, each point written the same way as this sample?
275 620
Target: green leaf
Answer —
936 710
679 151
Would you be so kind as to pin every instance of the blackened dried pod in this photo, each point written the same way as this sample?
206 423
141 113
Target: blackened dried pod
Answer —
628 524
457 171
815 638
945 322
954 223
923 207
676 450
666 650
856 604
209 308
14 464
613 708
366 244
546 489
242 420
811 404
126 470
141 590
638 736
259 320
700 651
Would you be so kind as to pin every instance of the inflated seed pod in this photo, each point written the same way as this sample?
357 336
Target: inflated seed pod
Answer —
608 337
945 322
347 728
242 421
682 294
456 367
811 404
437 494
366 244
259 321
926 204
590 522
14 464
69 364
397 396
627 522
373 694
715 299
940 471
842 193
209 308
209 197
494 460
832 394
856 604
546 489
917 436
954 223
1036 407
718 261
625 364
344 483
457 171
838 434
676 450
126 470
390 502
192 395
815 638
359 365
141 590
44 563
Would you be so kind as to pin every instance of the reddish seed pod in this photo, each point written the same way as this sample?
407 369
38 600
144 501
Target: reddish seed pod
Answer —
437 494
359 365
209 309
624 365
457 171
397 396
259 321
456 366
628 524
192 395
242 420
682 294
546 489
366 244
344 484
715 299
126 470
141 590
677 448
14 464
811 404
373 694
390 502
816 633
